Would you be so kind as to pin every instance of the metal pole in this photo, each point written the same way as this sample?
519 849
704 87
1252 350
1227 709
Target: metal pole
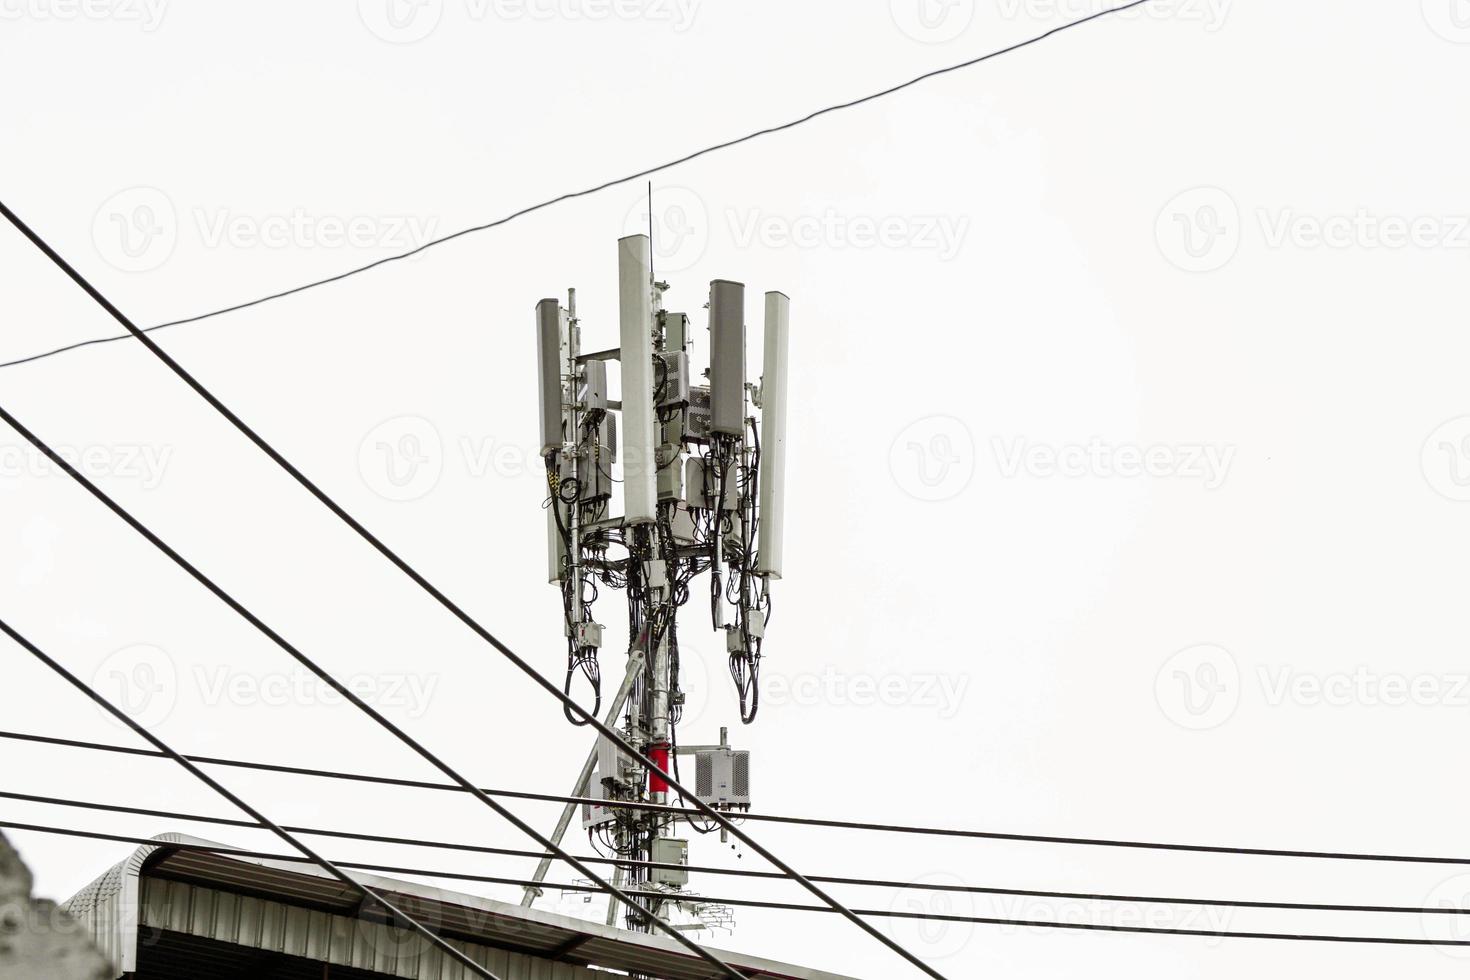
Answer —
635 666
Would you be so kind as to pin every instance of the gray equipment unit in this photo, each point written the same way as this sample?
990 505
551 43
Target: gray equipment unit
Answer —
697 427
550 357
603 455
592 814
669 850
676 331
722 777
727 357
594 389
673 381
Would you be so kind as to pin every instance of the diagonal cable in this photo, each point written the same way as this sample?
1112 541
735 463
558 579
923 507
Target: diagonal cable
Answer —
261 821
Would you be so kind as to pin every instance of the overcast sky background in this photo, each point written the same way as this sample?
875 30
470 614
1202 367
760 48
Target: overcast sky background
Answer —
1130 454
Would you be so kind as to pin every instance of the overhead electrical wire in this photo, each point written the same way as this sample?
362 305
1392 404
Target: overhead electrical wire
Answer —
348 694
443 599
225 851
680 812
605 185
735 872
261 820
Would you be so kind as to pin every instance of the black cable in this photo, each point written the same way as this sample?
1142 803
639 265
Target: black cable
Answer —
347 693
428 587
590 190
687 814
742 872
748 903
261 820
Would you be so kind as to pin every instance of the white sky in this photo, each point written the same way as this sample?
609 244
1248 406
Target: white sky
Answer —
1184 228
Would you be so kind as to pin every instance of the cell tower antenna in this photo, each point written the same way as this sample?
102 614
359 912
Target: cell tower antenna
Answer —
703 479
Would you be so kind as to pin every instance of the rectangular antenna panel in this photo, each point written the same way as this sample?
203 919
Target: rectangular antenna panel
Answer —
727 357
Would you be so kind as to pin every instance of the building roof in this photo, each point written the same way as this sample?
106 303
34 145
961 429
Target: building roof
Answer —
191 907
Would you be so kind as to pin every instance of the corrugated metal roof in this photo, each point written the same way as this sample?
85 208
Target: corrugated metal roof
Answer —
300 911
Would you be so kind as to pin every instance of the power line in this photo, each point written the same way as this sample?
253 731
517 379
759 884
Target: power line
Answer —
853 825
261 821
568 703
343 690
605 185
755 903
740 872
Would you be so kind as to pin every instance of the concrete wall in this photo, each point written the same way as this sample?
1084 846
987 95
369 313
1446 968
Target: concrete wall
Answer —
37 939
